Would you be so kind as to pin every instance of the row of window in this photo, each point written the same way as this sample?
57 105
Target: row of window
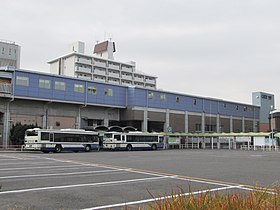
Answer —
79 59
177 99
69 137
10 51
266 97
58 85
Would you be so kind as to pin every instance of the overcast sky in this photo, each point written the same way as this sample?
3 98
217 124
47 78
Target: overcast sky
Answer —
224 49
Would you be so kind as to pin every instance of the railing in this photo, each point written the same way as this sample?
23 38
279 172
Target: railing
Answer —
260 148
11 147
188 146
5 88
83 69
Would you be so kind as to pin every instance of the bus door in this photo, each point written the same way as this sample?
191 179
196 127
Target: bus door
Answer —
117 137
51 137
100 141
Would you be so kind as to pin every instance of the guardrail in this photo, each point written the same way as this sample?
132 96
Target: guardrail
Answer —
188 146
6 88
11 147
260 148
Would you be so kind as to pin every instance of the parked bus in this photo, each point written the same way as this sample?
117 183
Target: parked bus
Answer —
132 141
46 140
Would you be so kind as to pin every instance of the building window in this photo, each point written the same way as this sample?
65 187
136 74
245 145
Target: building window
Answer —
162 97
245 108
177 99
225 105
43 83
94 122
108 92
59 85
79 88
236 107
198 127
22 81
194 101
150 95
91 90
269 97
264 96
3 50
10 51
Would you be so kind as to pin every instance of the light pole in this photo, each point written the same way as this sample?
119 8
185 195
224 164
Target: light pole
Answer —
271 120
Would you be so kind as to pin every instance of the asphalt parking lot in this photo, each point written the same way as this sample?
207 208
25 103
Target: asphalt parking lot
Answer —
113 180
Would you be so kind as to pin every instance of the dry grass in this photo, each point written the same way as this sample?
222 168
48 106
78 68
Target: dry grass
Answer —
255 199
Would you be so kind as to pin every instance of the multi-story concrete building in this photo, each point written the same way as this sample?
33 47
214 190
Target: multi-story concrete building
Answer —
55 101
101 67
9 54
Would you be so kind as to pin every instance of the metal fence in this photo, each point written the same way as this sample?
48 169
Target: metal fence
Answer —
260 148
11 148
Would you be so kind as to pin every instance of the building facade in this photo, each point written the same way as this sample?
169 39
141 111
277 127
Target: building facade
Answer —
266 103
101 67
9 54
274 121
55 101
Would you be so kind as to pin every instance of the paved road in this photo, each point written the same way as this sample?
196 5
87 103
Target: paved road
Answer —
105 180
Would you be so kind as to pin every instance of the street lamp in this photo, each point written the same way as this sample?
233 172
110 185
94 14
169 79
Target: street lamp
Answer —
271 120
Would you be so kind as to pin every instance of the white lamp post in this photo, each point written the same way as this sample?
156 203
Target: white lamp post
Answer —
271 116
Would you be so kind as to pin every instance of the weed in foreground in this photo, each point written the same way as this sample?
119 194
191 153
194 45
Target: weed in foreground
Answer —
255 199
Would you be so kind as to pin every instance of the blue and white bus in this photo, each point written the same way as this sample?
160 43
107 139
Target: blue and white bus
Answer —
46 140
132 141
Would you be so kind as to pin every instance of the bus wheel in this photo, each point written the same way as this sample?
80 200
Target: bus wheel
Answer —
154 147
129 147
87 148
58 148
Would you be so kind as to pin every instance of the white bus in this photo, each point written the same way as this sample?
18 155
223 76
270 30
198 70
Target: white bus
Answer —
46 140
132 141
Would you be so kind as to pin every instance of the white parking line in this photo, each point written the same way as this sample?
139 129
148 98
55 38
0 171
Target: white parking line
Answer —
83 185
256 190
39 167
58 174
201 181
26 163
159 198
9 159
12 157
143 172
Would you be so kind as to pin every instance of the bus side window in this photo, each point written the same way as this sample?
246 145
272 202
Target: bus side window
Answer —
51 137
118 137
123 138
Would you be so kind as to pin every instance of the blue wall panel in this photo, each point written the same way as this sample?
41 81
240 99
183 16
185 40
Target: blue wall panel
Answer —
128 96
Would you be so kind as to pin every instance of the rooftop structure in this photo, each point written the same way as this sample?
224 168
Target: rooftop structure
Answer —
266 103
9 54
100 67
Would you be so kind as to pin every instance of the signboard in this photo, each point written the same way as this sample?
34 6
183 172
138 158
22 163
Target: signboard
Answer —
173 140
169 129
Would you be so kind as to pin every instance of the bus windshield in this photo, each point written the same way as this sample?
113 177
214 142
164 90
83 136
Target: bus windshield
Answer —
108 135
31 133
